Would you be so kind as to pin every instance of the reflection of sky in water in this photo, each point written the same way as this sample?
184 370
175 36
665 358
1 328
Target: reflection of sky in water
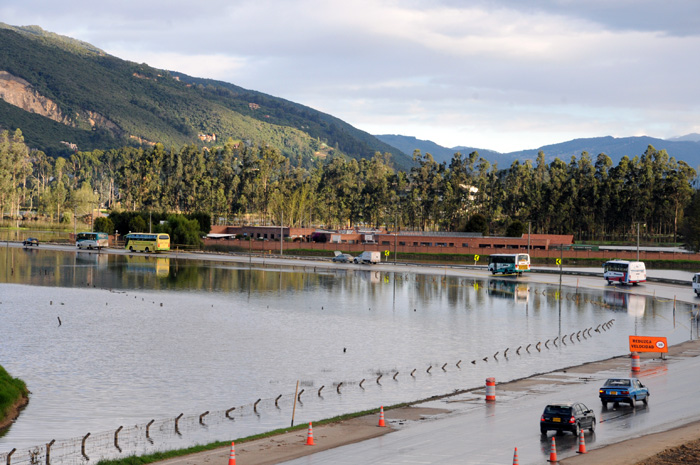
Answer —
193 337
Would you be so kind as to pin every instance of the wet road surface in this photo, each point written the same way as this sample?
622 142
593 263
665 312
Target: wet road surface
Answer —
481 433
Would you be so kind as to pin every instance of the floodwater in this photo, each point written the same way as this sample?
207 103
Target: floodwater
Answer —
104 341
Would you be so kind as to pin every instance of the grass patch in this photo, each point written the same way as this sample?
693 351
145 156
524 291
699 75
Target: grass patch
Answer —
12 390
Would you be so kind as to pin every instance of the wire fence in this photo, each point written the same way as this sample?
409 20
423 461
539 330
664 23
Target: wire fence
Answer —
158 435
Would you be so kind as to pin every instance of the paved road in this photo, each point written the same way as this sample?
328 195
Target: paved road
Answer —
481 433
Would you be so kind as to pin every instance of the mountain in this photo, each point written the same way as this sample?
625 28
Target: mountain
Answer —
693 137
407 144
615 148
67 95
685 148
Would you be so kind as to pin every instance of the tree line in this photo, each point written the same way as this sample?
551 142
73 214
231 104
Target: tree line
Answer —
588 197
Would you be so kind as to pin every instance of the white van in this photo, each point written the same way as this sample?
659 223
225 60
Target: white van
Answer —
696 283
624 272
368 257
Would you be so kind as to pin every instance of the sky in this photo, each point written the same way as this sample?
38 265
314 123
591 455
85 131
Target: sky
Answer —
503 75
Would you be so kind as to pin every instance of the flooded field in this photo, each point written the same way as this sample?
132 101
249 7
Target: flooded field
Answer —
105 341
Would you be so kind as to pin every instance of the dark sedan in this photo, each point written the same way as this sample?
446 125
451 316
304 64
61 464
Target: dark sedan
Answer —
567 416
28 242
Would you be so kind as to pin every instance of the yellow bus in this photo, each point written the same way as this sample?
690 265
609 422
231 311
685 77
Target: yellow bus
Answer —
146 242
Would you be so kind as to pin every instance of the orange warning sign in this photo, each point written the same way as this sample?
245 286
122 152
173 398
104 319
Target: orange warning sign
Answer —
648 344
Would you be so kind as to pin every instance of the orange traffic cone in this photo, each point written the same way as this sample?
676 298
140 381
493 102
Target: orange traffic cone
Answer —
581 444
232 457
381 417
310 436
553 452
515 457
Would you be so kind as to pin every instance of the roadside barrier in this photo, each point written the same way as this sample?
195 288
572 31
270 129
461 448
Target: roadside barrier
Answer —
310 436
581 444
553 452
232 456
490 389
636 365
381 417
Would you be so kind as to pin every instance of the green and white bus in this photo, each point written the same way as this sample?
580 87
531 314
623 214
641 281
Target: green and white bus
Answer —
91 240
147 242
516 263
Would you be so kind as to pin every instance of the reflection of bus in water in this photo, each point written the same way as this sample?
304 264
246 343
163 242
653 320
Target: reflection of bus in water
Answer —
160 266
624 272
515 263
91 240
99 260
147 242
520 292
633 304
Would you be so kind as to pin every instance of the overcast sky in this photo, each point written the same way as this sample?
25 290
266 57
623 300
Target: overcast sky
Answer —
504 75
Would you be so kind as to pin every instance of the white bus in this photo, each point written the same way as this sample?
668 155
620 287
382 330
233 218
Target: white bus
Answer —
515 263
624 272
91 240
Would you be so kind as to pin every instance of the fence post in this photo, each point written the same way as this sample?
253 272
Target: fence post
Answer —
201 417
229 411
116 438
177 420
9 455
48 451
148 427
82 447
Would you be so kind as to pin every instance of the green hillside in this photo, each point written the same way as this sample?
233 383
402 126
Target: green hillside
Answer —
109 103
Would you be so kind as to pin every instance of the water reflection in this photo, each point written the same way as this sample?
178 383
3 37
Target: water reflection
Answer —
509 289
147 337
631 303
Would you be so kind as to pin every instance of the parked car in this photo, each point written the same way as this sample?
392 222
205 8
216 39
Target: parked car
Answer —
567 416
31 241
627 390
343 258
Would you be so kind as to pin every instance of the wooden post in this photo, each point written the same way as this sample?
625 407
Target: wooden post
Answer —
48 451
229 411
82 447
201 417
294 409
255 405
177 419
116 438
9 455
148 427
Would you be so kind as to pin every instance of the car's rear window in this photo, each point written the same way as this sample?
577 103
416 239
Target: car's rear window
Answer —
617 382
557 410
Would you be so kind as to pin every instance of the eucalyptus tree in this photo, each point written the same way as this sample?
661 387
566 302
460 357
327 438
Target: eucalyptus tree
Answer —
15 168
427 189
376 194
603 200
584 180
